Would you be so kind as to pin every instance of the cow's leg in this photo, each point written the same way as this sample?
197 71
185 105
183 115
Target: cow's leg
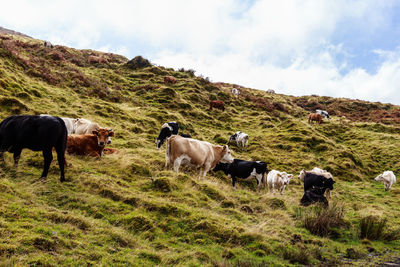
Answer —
177 164
48 157
282 188
61 161
234 180
328 193
17 155
258 178
2 156
199 178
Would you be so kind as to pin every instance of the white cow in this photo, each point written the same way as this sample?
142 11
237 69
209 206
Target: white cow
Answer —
388 178
200 154
241 139
84 126
270 91
278 180
323 113
235 92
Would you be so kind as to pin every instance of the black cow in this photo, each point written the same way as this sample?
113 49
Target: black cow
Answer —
168 129
314 180
245 170
313 195
37 133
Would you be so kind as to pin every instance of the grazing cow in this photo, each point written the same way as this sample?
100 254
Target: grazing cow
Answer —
70 123
89 144
217 104
241 139
315 180
278 180
37 133
48 44
318 171
323 113
315 117
313 195
167 129
84 126
388 178
170 79
245 170
96 59
197 153
270 91
235 92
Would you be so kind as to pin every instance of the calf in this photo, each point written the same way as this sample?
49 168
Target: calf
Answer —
241 139
315 180
217 104
235 91
388 178
37 133
315 117
313 195
245 170
84 126
278 180
199 154
318 171
89 144
167 129
169 79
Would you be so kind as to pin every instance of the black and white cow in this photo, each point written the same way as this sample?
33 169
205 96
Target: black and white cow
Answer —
323 113
313 195
241 139
245 170
37 133
168 129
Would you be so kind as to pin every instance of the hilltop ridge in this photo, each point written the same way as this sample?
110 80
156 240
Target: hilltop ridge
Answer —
127 209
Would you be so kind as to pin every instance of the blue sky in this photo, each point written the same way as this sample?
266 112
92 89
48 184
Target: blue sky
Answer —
340 48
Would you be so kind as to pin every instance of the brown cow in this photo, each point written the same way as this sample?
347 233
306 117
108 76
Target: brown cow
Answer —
217 104
89 144
169 79
315 117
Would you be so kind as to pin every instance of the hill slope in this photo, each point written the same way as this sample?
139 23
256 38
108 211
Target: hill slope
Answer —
127 209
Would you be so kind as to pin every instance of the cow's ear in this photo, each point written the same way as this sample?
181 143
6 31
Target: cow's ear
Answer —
111 132
225 148
95 132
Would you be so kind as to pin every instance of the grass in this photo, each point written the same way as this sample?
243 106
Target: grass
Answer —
126 209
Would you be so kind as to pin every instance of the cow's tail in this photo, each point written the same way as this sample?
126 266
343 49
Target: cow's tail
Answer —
168 152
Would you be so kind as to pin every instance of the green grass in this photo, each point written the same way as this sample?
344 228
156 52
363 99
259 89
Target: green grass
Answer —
127 209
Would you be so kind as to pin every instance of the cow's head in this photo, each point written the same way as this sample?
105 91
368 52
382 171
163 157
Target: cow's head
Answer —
226 155
103 135
328 183
302 174
379 178
164 134
221 167
233 137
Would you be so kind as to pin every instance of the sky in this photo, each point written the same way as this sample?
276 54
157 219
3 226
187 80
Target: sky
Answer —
339 48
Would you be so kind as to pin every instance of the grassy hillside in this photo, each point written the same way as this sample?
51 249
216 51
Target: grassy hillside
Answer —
126 208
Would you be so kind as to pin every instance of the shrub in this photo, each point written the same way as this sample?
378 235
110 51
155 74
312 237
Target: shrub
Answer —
138 62
373 228
323 221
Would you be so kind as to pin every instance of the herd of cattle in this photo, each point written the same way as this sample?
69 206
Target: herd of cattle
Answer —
83 137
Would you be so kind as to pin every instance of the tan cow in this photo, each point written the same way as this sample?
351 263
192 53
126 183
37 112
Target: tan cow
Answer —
89 144
169 79
199 154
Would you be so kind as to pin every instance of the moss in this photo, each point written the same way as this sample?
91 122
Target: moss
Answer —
276 203
163 184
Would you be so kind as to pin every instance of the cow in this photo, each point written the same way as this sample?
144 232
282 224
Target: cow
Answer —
48 44
217 104
167 129
270 91
241 139
84 126
169 79
89 144
316 180
97 60
318 171
37 133
278 180
313 195
323 113
194 152
388 178
235 92
315 117
70 123
245 170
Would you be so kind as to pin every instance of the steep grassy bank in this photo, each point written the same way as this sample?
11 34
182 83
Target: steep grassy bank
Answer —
127 209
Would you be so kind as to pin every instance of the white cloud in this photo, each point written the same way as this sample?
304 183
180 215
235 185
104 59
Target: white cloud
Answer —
285 45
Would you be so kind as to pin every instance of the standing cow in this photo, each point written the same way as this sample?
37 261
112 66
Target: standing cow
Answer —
217 104
323 113
167 129
37 133
245 170
169 79
194 152
388 178
235 92
315 117
241 139
278 180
